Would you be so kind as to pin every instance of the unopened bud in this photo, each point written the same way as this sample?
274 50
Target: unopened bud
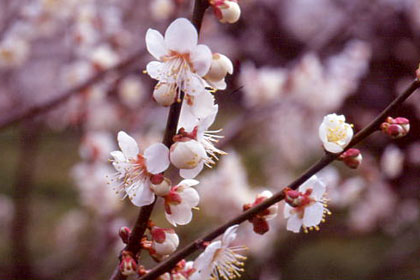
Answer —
187 155
165 241
352 158
124 234
128 265
219 68
260 226
226 11
164 94
162 188
396 128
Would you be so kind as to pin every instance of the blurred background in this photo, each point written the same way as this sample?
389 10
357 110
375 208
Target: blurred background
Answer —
295 61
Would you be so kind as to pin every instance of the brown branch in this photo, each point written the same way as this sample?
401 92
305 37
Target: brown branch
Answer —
140 226
168 264
28 113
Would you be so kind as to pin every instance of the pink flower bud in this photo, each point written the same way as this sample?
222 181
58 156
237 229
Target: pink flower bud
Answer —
259 221
165 241
260 226
396 128
128 265
352 158
124 234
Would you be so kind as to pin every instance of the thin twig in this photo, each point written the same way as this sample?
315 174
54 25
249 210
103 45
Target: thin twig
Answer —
28 113
169 263
140 226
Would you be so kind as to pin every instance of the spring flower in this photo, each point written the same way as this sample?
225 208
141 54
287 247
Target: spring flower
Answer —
259 221
188 155
195 130
181 62
335 133
226 11
220 260
164 241
306 207
219 68
128 265
134 170
180 201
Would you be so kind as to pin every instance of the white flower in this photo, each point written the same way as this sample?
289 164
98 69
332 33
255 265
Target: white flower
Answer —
180 201
188 156
197 130
219 68
182 63
309 205
220 260
165 241
134 169
335 133
104 57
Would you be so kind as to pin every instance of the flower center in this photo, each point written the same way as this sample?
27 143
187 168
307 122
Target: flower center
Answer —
336 134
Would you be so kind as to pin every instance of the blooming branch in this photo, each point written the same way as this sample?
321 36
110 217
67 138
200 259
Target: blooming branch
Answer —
323 162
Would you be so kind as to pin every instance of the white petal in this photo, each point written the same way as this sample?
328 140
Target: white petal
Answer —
128 145
188 183
187 119
219 84
118 156
209 120
194 85
157 158
191 173
313 214
323 132
229 235
203 105
294 223
318 190
155 43
153 69
332 147
349 134
201 59
206 258
181 215
286 210
190 197
143 196
181 36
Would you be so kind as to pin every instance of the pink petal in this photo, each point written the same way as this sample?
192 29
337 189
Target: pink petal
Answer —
181 36
157 158
155 43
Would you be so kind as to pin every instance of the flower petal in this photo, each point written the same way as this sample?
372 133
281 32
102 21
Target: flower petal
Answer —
155 43
181 36
143 195
157 158
294 223
332 147
128 145
190 197
203 105
191 173
286 210
229 235
201 58
153 69
181 215
188 183
313 214
221 85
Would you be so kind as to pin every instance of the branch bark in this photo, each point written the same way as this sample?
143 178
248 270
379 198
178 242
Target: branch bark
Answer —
169 263
140 226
